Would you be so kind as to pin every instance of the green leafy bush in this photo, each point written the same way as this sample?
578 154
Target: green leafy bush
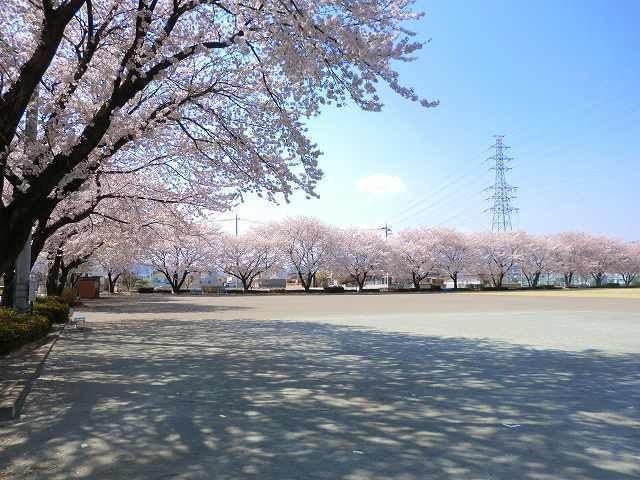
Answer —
69 297
16 329
338 289
52 298
50 307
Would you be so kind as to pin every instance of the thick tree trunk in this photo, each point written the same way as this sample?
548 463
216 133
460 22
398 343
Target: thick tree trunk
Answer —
112 281
182 280
598 277
43 231
568 279
17 223
601 279
64 276
54 274
536 279
306 283
361 283
174 280
454 277
37 244
416 281
171 279
8 292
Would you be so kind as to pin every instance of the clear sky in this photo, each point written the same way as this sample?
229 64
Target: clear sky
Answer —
560 79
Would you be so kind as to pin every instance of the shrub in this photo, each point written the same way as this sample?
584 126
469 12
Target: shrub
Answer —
145 290
338 289
69 297
53 309
51 298
16 329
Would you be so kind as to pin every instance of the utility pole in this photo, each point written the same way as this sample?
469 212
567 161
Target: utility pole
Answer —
502 194
23 263
386 229
236 224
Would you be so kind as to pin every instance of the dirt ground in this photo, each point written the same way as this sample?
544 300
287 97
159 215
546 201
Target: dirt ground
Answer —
535 385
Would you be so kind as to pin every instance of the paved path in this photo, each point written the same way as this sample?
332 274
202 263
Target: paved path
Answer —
377 388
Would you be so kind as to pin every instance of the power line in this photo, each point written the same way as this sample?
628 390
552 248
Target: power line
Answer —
237 219
440 192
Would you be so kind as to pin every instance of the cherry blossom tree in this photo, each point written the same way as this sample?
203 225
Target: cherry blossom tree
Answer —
68 250
128 200
627 264
248 256
30 35
308 246
116 257
415 254
496 253
200 96
453 250
360 254
601 254
129 280
178 251
569 255
536 254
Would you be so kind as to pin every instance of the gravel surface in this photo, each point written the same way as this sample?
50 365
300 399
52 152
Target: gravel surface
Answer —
461 386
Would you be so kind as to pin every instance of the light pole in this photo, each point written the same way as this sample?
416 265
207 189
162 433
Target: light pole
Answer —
23 262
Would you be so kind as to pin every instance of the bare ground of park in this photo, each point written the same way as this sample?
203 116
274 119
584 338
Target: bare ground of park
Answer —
539 385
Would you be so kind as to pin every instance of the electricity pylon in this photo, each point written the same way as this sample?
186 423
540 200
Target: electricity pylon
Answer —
502 194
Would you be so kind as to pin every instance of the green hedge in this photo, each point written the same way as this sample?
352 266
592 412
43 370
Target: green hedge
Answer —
337 289
16 329
52 308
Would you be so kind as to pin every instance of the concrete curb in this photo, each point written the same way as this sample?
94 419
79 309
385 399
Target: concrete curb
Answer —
12 401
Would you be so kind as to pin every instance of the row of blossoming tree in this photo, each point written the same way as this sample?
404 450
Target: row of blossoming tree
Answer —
109 105
116 106
307 247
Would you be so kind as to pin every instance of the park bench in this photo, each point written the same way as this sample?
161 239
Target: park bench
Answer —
78 322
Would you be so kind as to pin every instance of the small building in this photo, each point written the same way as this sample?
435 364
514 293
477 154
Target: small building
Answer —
89 287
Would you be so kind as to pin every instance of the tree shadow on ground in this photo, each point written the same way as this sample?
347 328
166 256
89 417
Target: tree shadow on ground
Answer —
153 304
287 400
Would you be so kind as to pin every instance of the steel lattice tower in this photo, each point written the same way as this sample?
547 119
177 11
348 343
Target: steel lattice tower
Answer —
502 194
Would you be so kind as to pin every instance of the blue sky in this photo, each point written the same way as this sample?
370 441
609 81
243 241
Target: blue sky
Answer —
559 79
